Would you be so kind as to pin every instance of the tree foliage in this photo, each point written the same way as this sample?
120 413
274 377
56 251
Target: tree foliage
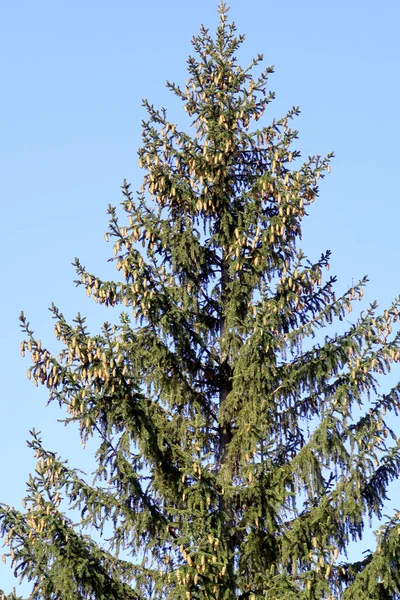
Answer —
242 444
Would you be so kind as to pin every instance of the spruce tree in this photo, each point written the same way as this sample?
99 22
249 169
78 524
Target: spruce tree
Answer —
242 443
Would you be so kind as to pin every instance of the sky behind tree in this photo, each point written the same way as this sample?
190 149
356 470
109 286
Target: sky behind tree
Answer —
74 74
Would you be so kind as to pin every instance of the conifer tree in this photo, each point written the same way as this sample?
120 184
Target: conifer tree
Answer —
242 443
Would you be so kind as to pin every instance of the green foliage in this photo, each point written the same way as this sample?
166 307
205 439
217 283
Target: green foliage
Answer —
239 450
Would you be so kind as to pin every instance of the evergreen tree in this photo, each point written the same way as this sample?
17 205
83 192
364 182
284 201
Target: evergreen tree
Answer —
240 451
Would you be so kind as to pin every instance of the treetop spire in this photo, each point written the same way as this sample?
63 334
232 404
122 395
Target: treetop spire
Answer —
239 450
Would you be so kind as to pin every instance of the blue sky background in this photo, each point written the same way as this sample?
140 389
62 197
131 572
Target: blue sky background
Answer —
73 76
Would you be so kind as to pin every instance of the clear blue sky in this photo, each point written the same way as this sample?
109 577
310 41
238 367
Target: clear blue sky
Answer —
73 76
